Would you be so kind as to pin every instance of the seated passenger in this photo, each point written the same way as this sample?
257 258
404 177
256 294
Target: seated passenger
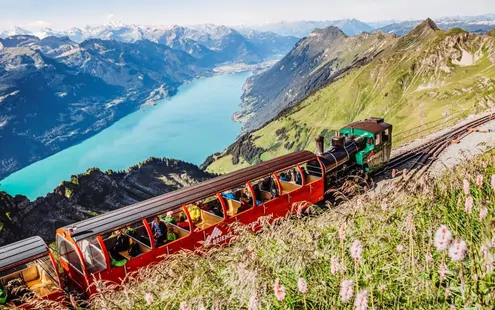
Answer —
171 236
293 176
257 193
129 231
183 222
195 213
159 230
121 244
283 177
170 219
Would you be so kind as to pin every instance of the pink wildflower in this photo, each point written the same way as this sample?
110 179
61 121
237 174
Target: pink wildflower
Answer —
365 188
356 250
253 302
382 288
361 302
342 231
443 236
479 180
442 271
458 250
279 290
394 173
493 182
428 257
452 307
149 298
466 186
400 248
483 213
404 173
346 290
334 265
202 307
384 206
302 286
468 206
410 223
183 306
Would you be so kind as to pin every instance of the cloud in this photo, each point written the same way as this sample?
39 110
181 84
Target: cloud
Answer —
39 23
110 16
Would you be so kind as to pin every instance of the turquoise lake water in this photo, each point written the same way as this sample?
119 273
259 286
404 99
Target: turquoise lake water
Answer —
189 126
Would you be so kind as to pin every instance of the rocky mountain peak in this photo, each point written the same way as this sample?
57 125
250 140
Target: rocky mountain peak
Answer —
327 34
417 34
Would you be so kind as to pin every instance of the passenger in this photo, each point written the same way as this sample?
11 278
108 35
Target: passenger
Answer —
159 230
257 193
298 178
129 231
170 218
293 176
121 244
171 236
195 213
246 200
283 177
183 222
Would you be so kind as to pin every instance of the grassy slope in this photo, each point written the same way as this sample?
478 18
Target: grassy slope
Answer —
394 278
407 87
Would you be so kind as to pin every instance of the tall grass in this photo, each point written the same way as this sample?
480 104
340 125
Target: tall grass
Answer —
364 253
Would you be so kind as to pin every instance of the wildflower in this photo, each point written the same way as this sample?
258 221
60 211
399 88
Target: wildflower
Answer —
458 250
334 265
442 271
442 238
253 302
346 290
183 305
384 206
466 186
483 213
479 180
356 250
493 182
201 307
367 277
149 298
342 231
361 302
400 248
410 223
394 173
382 288
452 307
428 257
365 188
279 290
468 206
302 286
404 173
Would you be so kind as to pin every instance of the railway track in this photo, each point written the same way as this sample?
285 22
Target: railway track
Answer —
423 156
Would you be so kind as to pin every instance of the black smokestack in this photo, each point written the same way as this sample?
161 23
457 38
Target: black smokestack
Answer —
319 145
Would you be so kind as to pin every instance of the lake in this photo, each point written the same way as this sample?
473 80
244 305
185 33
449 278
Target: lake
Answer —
189 126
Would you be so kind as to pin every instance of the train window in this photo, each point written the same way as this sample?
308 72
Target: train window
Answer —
238 199
385 135
290 179
264 189
312 171
370 141
378 139
206 212
92 255
68 253
127 243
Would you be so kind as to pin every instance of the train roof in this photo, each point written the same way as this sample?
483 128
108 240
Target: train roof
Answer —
160 204
22 251
373 124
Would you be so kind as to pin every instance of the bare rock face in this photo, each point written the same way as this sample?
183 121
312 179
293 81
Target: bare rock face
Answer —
90 194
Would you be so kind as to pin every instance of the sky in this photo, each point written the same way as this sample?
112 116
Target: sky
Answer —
62 14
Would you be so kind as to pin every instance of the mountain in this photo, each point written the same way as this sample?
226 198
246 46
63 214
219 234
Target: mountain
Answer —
92 193
314 62
55 92
303 28
477 24
212 44
425 75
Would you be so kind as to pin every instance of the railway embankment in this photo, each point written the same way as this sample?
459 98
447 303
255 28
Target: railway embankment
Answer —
428 248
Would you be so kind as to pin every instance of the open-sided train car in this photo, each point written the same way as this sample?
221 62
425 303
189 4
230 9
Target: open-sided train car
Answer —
28 273
198 216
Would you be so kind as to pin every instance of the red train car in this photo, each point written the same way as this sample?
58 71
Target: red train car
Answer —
28 273
109 246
